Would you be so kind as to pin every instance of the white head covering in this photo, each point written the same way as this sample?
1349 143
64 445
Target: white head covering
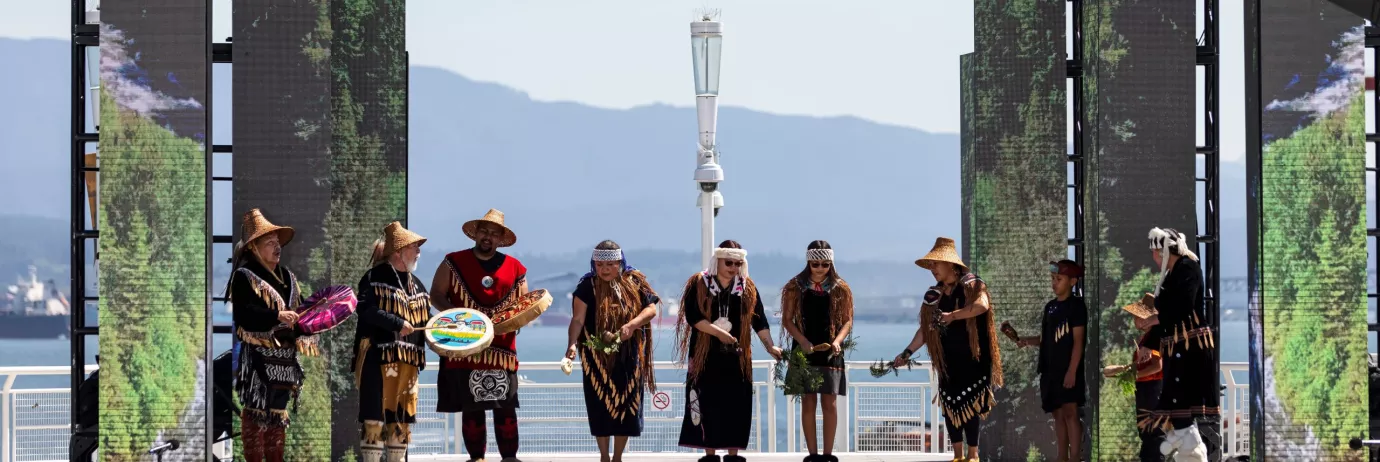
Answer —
819 254
729 254
1163 240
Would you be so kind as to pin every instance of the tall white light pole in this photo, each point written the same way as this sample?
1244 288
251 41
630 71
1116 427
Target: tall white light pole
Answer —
706 45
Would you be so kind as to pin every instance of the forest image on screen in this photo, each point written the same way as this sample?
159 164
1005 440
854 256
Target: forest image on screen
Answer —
1311 304
153 271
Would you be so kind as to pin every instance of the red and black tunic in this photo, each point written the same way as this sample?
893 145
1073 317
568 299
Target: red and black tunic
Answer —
467 291
488 379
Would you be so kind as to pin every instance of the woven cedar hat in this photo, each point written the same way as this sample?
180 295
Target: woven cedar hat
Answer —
943 251
395 237
494 217
255 226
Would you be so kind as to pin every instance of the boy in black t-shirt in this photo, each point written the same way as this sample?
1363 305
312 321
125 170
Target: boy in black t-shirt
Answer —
1062 336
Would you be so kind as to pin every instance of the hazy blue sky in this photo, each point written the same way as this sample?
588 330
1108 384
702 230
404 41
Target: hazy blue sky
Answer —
891 61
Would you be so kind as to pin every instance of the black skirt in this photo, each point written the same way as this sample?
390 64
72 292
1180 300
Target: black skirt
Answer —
965 393
827 365
1053 395
1191 385
465 390
613 391
267 381
718 406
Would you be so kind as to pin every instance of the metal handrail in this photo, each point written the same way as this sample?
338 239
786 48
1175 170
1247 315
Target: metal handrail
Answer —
1235 437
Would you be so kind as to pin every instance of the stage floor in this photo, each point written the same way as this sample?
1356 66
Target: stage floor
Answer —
690 457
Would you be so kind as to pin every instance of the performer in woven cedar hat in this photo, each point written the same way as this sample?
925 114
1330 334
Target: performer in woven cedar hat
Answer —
1181 333
817 313
483 279
720 308
956 323
614 303
264 294
389 350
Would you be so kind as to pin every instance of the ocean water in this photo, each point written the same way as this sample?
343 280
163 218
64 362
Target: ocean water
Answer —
547 343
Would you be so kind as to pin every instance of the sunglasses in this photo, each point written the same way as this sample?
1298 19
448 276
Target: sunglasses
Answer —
733 263
816 264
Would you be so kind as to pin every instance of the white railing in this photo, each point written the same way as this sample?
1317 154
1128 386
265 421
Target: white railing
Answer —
875 416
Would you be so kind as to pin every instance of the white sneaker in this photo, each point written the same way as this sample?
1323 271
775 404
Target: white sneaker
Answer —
1185 444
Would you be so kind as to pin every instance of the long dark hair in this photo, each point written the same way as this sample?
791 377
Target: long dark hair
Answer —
833 269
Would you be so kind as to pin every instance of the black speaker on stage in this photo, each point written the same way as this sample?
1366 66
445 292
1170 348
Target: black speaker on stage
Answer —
1369 9
82 446
223 408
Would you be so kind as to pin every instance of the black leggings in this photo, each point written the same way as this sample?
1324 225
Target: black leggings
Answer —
969 434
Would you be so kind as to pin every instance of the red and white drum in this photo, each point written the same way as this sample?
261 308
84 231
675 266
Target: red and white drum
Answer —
520 311
459 332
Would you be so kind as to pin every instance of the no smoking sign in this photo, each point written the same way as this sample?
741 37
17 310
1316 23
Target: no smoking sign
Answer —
661 400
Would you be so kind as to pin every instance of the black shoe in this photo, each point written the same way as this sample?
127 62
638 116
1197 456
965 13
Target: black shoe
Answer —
734 459
811 458
828 458
709 459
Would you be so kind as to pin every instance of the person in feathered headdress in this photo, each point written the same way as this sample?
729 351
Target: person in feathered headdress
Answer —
1181 332
957 324
817 314
613 303
719 310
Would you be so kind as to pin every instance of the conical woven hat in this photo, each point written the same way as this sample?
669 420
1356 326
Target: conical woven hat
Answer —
495 217
255 226
943 251
395 237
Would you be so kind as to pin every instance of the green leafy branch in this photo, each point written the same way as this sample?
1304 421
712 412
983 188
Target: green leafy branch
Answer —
883 367
606 343
795 374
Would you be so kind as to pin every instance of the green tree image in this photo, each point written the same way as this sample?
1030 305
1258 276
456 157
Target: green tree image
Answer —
153 283
1313 288
368 174
1014 160
1137 179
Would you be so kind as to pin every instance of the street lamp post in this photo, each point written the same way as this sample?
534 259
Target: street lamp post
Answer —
706 43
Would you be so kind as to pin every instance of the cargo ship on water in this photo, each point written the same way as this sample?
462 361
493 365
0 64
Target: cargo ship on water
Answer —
31 309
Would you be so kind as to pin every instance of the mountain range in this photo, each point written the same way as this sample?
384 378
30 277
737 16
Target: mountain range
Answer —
568 175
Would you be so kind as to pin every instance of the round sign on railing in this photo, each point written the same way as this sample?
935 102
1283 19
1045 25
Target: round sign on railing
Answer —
661 400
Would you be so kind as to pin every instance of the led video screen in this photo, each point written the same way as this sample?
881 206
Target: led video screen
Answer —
282 166
1309 320
320 145
1139 82
368 169
153 306
1014 163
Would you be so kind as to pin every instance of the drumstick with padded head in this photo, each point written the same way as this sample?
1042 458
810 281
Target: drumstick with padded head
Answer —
441 326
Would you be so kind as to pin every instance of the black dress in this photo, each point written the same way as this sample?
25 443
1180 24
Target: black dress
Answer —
269 375
718 403
816 317
387 299
965 390
1185 340
1056 347
613 383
